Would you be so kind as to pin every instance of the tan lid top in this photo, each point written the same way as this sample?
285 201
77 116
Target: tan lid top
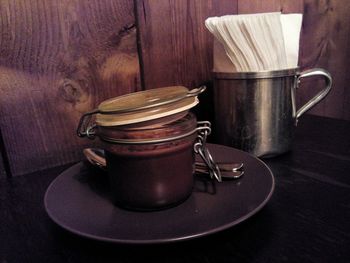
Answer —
146 105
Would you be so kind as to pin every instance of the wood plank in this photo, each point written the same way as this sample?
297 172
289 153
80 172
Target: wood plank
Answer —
58 60
314 51
326 30
257 6
176 47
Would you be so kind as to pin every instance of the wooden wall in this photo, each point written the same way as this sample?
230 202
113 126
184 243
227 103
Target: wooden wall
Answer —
59 59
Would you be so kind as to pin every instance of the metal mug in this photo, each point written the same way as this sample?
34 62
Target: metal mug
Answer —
256 111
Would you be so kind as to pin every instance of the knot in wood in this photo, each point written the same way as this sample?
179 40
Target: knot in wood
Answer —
71 91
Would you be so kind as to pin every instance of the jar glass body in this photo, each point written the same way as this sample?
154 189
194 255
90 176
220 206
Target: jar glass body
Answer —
150 175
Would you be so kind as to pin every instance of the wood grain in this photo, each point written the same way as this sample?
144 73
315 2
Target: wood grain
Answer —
59 59
256 6
176 47
326 30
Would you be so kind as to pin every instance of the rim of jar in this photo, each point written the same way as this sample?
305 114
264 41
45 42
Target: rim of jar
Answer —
139 134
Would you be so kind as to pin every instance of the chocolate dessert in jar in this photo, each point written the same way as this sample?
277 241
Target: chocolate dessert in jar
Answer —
149 139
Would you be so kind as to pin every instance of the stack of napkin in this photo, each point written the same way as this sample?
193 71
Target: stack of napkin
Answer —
256 42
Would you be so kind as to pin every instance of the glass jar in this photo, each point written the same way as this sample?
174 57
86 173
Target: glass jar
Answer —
151 166
149 140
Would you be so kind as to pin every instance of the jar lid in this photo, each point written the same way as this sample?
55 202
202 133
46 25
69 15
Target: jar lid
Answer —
146 105
163 104
146 115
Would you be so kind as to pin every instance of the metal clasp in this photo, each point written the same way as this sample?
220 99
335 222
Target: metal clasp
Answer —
83 127
199 147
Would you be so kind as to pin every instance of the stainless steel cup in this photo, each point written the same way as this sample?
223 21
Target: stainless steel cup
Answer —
256 111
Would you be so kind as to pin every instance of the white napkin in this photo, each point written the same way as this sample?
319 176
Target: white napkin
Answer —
256 42
291 25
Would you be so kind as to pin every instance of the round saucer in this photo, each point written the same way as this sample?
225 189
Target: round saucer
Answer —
79 201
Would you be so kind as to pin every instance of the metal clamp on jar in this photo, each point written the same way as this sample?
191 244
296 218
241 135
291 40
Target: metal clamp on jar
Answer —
150 139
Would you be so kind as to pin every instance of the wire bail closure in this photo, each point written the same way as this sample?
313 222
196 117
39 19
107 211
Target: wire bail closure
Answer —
204 129
83 127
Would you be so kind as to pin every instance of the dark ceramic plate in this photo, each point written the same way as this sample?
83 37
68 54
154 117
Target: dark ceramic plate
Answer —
79 201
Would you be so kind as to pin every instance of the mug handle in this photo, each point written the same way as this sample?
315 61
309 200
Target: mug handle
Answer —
319 96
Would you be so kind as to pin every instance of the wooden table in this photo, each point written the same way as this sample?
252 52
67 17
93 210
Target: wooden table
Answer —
306 220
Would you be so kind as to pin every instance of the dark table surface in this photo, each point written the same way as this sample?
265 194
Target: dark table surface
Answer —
306 220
